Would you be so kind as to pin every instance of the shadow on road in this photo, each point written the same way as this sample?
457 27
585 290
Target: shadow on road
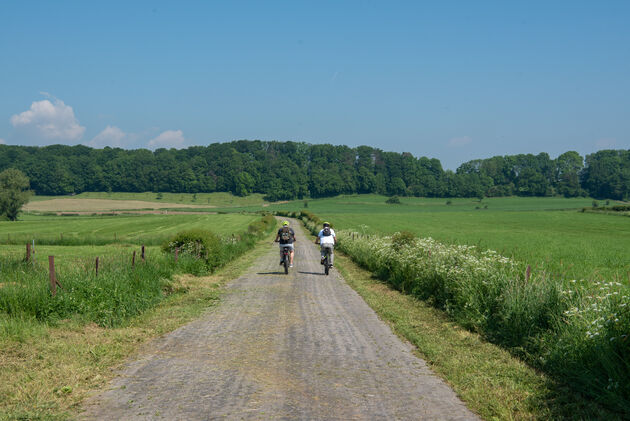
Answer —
312 273
270 273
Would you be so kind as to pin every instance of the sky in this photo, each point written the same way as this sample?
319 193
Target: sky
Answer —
453 80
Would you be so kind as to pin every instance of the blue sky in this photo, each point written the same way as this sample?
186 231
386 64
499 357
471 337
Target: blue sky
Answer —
453 80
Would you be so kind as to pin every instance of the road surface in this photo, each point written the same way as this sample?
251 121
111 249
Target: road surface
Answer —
281 347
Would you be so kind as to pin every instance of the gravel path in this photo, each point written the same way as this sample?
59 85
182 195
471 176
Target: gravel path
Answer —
298 346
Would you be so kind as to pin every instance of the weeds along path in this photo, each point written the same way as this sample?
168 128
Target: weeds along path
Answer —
297 346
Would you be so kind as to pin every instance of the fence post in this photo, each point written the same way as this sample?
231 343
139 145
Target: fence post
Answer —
143 253
133 260
28 252
53 279
176 253
96 265
528 273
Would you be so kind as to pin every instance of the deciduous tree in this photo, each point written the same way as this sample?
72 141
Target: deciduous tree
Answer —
14 193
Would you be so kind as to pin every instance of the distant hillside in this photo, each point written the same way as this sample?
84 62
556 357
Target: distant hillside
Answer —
289 170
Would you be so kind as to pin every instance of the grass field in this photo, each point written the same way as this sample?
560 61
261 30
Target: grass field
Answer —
100 230
548 233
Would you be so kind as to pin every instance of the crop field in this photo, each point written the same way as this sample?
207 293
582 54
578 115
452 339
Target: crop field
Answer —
99 205
164 200
550 234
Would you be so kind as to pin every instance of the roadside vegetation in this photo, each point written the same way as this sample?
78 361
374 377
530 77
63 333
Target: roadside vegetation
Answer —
491 381
574 330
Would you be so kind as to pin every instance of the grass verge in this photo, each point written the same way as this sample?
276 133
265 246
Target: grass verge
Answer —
491 382
47 373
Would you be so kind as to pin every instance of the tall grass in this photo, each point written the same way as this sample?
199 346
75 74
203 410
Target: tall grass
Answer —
107 299
574 330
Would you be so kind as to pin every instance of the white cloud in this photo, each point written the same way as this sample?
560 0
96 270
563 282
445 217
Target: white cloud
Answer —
110 136
167 139
606 143
459 141
2 142
49 121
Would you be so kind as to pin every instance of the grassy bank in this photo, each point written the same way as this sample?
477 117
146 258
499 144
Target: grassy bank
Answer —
489 379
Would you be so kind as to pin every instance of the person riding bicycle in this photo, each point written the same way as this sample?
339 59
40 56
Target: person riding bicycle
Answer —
286 238
327 239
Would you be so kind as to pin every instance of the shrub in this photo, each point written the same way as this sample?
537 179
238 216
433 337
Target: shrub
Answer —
394 200
403 239
201 244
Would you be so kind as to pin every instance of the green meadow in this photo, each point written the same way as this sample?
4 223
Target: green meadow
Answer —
128 228
550 234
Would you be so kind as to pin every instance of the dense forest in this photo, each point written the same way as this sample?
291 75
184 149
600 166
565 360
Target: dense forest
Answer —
288 170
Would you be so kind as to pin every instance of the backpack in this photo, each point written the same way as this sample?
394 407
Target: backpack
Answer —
285 235
326 231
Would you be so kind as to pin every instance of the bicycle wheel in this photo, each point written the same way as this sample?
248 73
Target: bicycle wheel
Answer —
286 265
326 265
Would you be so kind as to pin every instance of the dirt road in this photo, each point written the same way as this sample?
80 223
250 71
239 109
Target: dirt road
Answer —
298 346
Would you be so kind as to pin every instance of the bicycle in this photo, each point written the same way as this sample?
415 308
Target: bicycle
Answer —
327 265
285 259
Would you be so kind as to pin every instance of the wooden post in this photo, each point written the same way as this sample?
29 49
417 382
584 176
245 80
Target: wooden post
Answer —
143 253
528 273
96 265
53 279
133 260
176 253
28 252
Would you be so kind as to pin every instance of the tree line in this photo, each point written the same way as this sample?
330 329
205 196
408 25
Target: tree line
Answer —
289 170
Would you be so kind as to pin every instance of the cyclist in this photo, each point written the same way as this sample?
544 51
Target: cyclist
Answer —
286 238
327 239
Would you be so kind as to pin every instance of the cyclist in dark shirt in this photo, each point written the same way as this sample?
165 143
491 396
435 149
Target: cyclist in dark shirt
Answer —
286 238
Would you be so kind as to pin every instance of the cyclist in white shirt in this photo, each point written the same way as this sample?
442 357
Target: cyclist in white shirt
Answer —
327 239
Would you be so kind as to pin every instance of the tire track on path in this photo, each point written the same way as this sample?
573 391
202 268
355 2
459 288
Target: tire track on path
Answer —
298 346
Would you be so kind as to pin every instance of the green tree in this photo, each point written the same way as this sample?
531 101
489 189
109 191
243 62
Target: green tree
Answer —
568 168
14 193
